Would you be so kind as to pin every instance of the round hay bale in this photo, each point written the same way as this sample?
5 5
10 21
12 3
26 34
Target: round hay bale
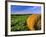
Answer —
32 21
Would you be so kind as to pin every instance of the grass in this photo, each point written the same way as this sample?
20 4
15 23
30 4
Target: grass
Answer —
18 22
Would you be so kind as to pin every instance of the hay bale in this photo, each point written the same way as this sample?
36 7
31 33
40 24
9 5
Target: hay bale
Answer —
32 20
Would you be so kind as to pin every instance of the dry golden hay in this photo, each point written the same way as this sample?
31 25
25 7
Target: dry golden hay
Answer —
32 20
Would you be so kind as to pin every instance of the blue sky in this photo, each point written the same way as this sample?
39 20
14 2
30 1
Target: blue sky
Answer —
17 9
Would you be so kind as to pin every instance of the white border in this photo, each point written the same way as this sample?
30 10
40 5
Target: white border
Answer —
24 32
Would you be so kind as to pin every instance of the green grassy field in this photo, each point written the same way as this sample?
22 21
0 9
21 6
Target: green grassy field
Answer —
18 22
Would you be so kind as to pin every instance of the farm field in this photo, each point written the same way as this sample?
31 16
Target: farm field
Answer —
19 22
